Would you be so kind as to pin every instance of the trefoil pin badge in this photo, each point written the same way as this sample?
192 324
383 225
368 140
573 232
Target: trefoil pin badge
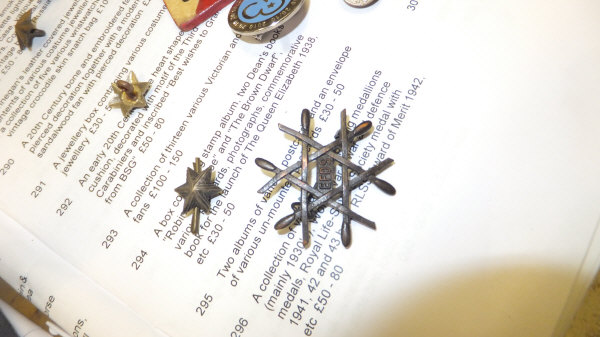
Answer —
254 18
324 194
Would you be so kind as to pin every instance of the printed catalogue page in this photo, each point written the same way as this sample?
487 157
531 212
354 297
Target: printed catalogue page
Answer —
471 198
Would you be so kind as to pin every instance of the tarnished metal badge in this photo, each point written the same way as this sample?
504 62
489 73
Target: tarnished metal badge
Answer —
187 14
26 31
324 193
256 17
359 3
197 192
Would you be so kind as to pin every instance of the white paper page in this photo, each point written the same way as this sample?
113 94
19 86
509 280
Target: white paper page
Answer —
488 111
61 291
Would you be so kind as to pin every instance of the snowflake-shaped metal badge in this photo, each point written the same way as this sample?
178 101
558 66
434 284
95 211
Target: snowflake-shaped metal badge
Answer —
324 192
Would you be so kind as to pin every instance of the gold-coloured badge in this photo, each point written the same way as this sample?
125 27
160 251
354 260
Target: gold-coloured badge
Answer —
26 31
130 95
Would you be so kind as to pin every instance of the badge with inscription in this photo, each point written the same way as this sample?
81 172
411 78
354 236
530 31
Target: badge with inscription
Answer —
324 193
360 3
256 17
325 174
26 31
130 95
197 192
188 14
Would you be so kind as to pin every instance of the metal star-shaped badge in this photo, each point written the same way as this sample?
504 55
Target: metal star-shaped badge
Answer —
26 31
197 192
130 95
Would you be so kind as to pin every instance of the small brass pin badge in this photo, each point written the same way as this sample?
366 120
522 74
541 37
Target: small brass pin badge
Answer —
197 192
130 95
254 18
26 31
188 14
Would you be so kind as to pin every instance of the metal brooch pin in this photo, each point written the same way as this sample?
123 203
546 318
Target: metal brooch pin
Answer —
197 192
130 95
26 31
312 198
254 18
